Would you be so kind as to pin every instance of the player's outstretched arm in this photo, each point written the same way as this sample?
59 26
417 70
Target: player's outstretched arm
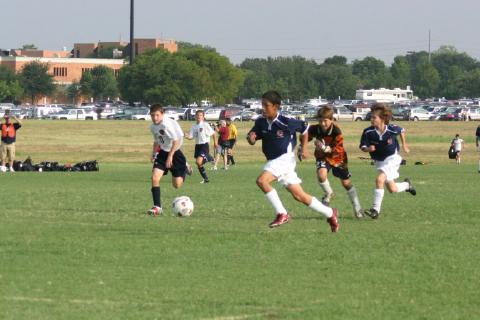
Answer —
304 154
403 138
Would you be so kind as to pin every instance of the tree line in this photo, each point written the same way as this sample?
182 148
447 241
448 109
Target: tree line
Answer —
197 72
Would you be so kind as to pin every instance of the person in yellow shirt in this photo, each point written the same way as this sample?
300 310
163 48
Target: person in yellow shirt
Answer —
232 139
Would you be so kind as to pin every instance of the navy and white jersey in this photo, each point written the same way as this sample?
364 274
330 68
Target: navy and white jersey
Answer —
201 132
386 144
279 135
165 132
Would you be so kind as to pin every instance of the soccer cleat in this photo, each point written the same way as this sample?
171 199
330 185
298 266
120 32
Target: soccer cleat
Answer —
188 170
280 219
326 199
11 169
333 221
205 181
155 211
372 213
411 189
359 214
214 168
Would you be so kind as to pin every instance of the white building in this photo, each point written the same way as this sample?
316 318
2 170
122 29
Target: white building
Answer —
385 95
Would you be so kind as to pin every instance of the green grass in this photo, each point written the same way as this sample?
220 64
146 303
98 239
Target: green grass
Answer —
78 245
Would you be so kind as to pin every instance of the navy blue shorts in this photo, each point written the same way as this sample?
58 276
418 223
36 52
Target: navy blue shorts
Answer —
179 165
203 150
340 172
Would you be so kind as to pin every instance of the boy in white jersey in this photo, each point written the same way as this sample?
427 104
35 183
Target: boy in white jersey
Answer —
201 132
166 154
457 144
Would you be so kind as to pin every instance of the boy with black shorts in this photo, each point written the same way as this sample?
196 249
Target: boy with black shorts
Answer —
201 132
331 155
166 154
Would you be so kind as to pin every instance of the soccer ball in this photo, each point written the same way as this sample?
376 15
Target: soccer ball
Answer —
182 206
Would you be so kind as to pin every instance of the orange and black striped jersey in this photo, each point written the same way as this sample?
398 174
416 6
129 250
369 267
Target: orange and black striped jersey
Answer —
334 139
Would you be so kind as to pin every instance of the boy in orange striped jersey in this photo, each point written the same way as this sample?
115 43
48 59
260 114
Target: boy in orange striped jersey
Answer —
330 154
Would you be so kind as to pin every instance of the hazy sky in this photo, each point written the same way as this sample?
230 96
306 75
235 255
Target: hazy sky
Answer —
251 28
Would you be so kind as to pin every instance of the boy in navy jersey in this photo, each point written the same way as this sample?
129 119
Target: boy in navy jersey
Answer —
278 135
380 140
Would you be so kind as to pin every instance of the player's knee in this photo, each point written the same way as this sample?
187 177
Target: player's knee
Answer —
262 183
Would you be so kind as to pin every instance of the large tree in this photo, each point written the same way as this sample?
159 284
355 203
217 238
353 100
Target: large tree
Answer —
336 80
10 87
36 81
100 83
221 80
400 72
162 77
426 79
372 73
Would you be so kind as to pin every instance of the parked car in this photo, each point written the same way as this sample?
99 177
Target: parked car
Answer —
213 114
342 113
229 113
140 114
454 115
442 112
474 114
416 114
74 114
171 113
245 115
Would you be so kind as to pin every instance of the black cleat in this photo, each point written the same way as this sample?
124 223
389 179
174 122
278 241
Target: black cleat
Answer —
411 188
372 213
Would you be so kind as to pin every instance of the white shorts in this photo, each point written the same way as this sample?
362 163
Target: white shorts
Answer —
390 166
283 168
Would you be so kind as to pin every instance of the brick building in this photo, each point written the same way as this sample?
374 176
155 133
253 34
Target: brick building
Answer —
85 50
64 70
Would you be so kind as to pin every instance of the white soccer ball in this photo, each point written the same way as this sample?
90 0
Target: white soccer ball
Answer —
182 206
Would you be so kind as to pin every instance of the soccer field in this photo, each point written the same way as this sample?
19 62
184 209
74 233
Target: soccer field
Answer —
79 246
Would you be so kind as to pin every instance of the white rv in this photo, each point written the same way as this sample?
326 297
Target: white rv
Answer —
385 95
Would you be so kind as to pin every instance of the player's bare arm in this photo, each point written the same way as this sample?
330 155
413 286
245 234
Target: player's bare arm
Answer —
403 138
304 145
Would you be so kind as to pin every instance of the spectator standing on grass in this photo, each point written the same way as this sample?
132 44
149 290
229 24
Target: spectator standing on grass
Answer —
9 135
278 135
458 145
380 140
222 144
477 143
232 139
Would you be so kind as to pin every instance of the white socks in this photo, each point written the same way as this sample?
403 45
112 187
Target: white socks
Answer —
352 194
274 199
326 187
320 207
402 186
377 199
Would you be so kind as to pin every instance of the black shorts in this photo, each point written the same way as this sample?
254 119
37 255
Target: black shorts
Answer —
203 150
231 143
179 165
340 172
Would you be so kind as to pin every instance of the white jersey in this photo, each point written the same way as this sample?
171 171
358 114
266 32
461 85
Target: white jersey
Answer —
165 132
201 132
457 144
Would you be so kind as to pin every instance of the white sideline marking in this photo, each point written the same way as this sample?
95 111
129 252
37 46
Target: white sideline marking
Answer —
74 301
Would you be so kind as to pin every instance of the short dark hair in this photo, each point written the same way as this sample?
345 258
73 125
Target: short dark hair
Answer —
273 97
157 107
200 111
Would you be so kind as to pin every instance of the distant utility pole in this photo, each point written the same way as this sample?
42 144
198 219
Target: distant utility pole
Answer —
132 44
429 45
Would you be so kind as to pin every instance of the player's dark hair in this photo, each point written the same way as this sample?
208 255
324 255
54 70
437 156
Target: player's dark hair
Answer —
157 107
383 111
200 111
325 112
272 97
